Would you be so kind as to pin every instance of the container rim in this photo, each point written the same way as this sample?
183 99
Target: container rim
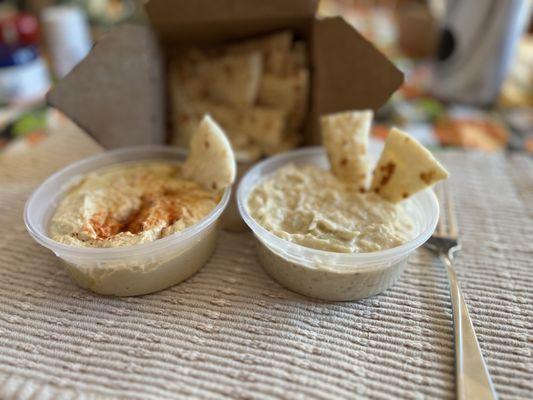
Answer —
249 181
127 251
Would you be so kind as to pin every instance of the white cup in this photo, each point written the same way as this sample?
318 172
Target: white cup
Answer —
67 34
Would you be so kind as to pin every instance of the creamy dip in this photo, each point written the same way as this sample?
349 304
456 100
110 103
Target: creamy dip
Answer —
311 207
130 204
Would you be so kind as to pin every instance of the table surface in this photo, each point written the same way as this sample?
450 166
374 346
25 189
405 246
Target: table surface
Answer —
230 331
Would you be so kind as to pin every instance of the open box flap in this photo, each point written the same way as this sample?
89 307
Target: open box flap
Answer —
209 21
116 93
348 71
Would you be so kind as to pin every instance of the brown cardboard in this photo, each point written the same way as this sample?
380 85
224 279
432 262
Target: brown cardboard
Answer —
181 22
117 95
349 73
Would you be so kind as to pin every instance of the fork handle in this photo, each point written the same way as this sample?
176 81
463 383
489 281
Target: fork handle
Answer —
473 381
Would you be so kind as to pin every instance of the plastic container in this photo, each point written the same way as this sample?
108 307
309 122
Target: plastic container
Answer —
231 219
329 275
132 270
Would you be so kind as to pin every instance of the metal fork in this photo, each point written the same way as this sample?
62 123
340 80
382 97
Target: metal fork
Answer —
472 378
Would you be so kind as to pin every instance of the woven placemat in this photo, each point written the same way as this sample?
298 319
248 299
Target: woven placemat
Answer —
231 332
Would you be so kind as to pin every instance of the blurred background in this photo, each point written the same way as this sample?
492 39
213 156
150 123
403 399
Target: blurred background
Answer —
481 98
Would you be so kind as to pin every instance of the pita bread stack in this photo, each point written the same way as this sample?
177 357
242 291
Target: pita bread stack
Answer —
256 89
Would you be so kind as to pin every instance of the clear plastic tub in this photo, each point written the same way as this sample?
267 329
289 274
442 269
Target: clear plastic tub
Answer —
132 270
328 275
231 219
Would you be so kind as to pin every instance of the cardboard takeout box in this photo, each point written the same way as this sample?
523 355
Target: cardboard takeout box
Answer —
118 92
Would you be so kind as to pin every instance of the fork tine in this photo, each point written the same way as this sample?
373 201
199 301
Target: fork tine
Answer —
451 218
441 224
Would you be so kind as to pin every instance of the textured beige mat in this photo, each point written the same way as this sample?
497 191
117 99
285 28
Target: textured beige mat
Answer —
231 332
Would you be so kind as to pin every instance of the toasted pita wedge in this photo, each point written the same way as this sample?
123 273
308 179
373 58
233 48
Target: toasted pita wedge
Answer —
265 126
184 127
345 137
184 123
298 112
275 49
290 141
284 63
244 148
191 56
404 168
261 125
278 62
298 57
248 153
232 79
193 88
184 83
187 112
210 162
289 93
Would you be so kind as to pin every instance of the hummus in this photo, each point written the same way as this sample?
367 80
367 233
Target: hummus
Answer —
311 207
130 204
